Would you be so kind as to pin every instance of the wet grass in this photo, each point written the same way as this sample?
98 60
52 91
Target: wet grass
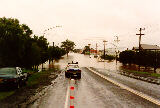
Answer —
5 94
144 73
34 79
156 75
38 77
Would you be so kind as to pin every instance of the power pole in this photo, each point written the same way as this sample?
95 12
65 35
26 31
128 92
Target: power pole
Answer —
89 49
140 34
53 44
116 40
104 47
96 49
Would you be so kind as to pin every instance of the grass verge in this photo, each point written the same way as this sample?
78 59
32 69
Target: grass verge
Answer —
38 77
5 94
143 73
34 79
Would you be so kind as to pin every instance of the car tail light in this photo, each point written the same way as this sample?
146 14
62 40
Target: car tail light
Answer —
79 70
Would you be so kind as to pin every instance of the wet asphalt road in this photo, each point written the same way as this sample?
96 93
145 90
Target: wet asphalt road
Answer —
92 91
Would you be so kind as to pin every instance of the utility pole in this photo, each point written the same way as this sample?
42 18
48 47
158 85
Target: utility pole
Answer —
104 47
116 41
96 49
53 44
89 49
140 34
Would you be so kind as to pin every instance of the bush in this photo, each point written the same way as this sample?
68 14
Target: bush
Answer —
108 57
143 58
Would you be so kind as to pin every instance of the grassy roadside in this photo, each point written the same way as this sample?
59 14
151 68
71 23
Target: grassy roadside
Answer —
143 73
34 80
5 94
38 78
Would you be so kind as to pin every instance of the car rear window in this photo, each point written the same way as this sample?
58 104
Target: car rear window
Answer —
73 66
7 71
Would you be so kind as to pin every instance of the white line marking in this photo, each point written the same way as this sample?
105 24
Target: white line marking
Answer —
67 96
145 96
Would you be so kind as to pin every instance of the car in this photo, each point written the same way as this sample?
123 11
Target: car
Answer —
12 77
73 71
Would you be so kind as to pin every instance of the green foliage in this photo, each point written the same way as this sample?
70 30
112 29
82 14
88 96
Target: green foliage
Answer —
55 52
86 50
5 94
39 77
12 41
143 58
127 57
108 57
68 46
155 75
19 48
143 73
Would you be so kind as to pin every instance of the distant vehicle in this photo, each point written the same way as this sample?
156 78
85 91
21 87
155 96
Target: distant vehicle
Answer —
12 77
73 71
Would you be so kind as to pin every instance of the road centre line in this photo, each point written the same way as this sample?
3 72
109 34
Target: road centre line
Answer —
72 82
67 97
145 96
70 94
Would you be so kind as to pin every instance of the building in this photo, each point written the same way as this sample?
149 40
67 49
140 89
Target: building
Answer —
146 47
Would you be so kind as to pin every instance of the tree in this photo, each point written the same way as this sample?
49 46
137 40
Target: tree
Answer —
13 36
108 57
19 48
127 57
86 50
68 46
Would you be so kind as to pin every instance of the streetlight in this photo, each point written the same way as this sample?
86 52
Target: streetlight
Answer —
48 29
51 28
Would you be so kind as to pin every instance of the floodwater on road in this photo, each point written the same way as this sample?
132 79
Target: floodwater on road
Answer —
92 91
86 61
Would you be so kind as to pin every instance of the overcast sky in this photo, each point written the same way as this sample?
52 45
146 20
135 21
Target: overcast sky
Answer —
89 21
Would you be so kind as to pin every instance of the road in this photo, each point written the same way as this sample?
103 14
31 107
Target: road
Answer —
93 91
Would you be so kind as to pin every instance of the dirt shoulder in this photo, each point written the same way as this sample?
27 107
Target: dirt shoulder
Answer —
35 83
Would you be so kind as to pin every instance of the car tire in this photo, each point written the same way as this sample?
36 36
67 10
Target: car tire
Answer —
79 76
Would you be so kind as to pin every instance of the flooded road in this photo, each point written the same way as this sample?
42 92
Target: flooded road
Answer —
92 91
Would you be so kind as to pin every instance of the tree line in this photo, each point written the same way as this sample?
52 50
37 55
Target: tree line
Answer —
19 47
144 58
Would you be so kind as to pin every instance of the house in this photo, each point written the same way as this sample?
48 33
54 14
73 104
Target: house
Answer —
146 47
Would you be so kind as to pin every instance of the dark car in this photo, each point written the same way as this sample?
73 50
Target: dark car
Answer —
12 77
73 70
